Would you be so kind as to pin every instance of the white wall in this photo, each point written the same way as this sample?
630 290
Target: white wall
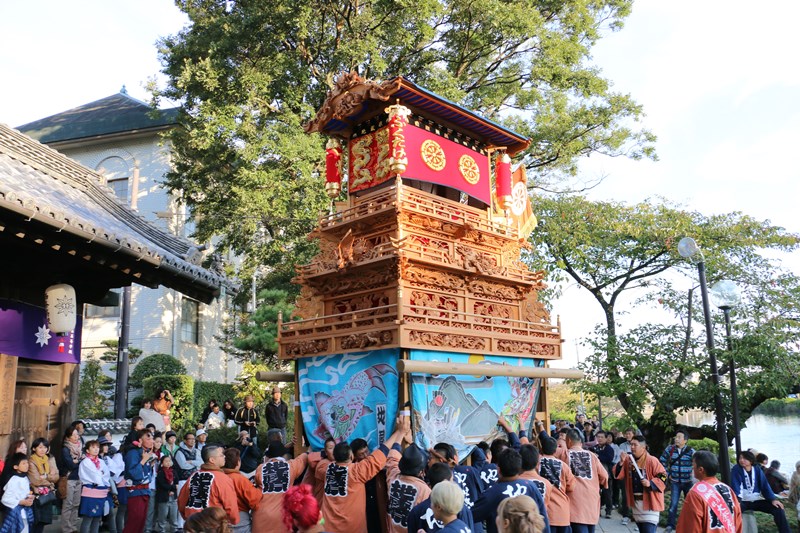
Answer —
155 313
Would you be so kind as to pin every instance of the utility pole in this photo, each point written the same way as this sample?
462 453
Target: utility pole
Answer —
121 393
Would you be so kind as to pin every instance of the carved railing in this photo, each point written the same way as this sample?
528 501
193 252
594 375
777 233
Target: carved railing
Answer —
376 316
367 205
416 201
476 324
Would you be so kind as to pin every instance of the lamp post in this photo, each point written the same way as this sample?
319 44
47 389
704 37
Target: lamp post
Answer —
688 248
725 295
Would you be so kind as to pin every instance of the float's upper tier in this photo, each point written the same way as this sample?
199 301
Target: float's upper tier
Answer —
354 100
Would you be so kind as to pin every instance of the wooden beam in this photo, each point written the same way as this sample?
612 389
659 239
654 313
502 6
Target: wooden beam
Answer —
466 369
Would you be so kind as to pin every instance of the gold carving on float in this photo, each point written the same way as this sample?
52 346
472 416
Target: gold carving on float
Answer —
432 279
307 347
384 166
365 340
361 158
432 155
469 169
446 339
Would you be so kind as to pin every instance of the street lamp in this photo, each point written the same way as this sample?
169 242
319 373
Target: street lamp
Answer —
688 248
725 295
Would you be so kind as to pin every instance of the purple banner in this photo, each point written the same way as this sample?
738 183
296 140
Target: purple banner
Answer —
24 332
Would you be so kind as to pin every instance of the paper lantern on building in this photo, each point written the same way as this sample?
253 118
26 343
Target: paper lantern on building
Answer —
503 181
398 119
61 308
333 168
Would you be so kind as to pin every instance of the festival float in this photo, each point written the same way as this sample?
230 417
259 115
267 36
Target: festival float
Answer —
418 296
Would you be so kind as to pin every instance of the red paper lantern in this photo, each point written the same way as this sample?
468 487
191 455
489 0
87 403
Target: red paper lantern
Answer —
333 169
503 181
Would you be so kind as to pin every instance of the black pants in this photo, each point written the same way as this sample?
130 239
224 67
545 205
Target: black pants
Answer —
778 514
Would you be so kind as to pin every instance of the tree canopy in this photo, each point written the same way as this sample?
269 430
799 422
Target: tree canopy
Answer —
247 76
610 248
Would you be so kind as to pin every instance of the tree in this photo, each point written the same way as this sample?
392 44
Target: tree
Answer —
611 249
94 391
248 75
155 365
259 335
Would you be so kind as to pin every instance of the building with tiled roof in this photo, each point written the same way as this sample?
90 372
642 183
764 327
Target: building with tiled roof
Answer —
119 137
61 224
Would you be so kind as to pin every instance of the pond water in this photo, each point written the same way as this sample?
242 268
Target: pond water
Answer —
776 436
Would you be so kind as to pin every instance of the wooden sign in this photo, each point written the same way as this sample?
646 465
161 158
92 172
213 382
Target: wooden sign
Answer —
8 384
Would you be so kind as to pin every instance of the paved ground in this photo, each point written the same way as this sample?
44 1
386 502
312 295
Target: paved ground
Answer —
607 525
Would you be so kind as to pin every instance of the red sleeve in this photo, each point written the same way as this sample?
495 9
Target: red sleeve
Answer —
691 519
226 493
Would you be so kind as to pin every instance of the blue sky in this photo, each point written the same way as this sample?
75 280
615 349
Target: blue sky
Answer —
718 79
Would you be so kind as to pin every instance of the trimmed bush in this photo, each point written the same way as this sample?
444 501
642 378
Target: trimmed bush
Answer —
182 390
158 364
204 391
224 436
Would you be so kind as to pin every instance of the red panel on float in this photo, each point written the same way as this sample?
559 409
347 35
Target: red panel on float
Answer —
431 158
438 160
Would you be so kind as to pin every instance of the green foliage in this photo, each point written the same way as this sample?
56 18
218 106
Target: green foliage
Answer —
111 353
259 335
250 74
611 249
204 391
225 435
152 365
247 384
182 390
780 407
705 444
94 391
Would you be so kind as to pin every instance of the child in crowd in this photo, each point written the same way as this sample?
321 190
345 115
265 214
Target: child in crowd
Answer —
167 496
96 480
17 496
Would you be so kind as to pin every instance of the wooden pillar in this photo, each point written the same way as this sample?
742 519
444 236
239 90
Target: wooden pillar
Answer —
8 383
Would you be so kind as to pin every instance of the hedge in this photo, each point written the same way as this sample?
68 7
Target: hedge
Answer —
182 390
204 391
158 364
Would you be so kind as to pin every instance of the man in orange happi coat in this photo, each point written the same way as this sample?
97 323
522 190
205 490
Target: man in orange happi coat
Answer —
247 496
645 478
209 487
559 475
344 496
711 506
590 475
273 478
405 487
530 466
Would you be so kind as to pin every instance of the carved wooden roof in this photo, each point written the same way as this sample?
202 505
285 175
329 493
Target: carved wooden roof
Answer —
353 100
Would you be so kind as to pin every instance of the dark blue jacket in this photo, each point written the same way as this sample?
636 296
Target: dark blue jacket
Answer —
456 526
69 468
678 463
486 507
421 517
760 484
136 472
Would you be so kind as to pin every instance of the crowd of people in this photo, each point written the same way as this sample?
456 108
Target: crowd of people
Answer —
558 479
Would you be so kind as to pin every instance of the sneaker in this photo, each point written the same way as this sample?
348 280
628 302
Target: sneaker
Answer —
608 514
625 520
669 529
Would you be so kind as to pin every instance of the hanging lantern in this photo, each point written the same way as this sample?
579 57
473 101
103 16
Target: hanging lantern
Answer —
60 302
333 168
398 118
503 181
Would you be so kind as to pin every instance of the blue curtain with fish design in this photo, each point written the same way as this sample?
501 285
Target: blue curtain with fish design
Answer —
349 396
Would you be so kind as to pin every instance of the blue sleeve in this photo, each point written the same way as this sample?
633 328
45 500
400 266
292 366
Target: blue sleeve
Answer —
737 480
465 516
384 449
665 457
478 457
133 466
413 519
484 507
513 440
